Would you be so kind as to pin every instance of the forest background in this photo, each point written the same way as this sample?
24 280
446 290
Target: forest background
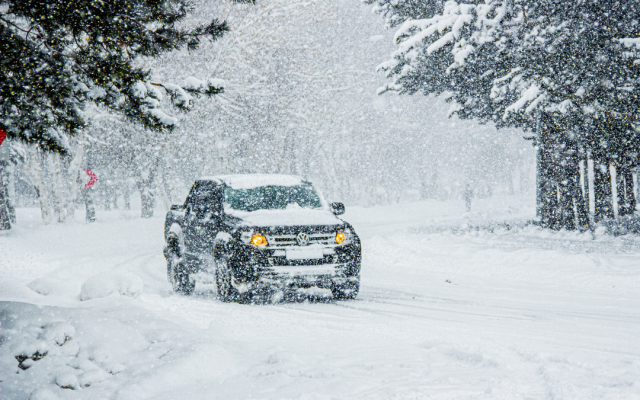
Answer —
300 97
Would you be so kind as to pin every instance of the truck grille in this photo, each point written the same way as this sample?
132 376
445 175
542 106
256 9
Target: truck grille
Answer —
283 262
281 241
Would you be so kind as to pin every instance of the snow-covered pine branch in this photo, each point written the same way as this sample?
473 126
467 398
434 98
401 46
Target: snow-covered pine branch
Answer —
395 12
146 98
55 63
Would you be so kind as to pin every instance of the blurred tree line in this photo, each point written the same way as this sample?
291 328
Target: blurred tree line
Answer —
299 98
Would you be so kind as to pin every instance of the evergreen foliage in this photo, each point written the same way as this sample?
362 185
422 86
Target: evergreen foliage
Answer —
395 12
506 61
503 59
56 57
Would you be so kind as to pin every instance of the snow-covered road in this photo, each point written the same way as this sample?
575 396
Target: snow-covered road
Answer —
446 311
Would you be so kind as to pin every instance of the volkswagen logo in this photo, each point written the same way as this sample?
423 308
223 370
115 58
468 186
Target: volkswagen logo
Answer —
302 239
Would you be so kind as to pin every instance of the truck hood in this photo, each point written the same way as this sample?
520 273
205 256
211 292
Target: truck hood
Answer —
289 217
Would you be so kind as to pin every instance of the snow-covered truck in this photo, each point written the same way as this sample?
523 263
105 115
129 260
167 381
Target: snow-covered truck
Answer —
260 236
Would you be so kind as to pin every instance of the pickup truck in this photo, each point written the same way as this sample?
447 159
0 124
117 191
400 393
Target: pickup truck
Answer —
260 236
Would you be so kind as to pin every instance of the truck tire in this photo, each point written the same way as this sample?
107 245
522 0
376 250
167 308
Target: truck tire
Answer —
177 269
347 291
181 282
226 291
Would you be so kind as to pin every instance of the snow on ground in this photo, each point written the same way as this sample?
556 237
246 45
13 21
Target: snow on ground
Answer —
453 305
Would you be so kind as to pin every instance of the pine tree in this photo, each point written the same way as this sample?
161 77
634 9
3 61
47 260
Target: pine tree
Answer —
395 12
56 58
504 61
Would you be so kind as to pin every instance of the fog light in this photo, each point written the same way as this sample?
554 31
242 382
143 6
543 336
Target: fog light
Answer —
340 237
258 240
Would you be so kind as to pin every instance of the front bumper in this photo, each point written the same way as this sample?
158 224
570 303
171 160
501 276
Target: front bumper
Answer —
256 268
304 276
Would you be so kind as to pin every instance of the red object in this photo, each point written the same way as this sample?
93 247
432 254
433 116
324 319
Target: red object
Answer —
92 178
3 135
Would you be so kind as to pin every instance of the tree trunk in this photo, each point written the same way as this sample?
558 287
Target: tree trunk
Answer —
58 186
584 186
87 194
629 191
634 180
624 187
163 189
547 188
147 194
5 205
11 187
34 169
549 215
105 193
126 194
565 203
10 171
114 196
147 201
578 199
74 178
603 201
619 182
561 201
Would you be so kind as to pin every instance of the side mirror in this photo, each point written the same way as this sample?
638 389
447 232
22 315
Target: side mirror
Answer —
337 208
177 207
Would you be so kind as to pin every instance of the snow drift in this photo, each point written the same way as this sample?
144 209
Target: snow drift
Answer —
102 285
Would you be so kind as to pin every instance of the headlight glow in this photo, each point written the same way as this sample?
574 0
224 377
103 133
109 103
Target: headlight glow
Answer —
344 236
258 240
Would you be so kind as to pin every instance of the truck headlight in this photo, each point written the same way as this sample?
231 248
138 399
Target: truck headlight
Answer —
258 239
343 236
255 238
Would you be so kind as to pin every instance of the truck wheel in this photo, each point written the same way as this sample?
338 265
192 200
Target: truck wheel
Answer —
172 261
172 254
177 271
226 291
181 281
347 291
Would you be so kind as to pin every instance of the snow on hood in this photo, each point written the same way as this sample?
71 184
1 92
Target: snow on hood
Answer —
288 217
250 181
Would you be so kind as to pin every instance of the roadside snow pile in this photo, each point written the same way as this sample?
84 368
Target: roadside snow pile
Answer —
39 351
102 350
58 332
102 285
43 394
521 234
43 286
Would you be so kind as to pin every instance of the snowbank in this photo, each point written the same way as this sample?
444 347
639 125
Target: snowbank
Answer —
43 394
102 285
43 286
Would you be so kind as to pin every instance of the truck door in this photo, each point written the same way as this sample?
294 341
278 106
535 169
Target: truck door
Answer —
202 217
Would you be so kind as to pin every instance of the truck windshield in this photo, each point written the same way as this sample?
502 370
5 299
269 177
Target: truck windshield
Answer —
272 197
